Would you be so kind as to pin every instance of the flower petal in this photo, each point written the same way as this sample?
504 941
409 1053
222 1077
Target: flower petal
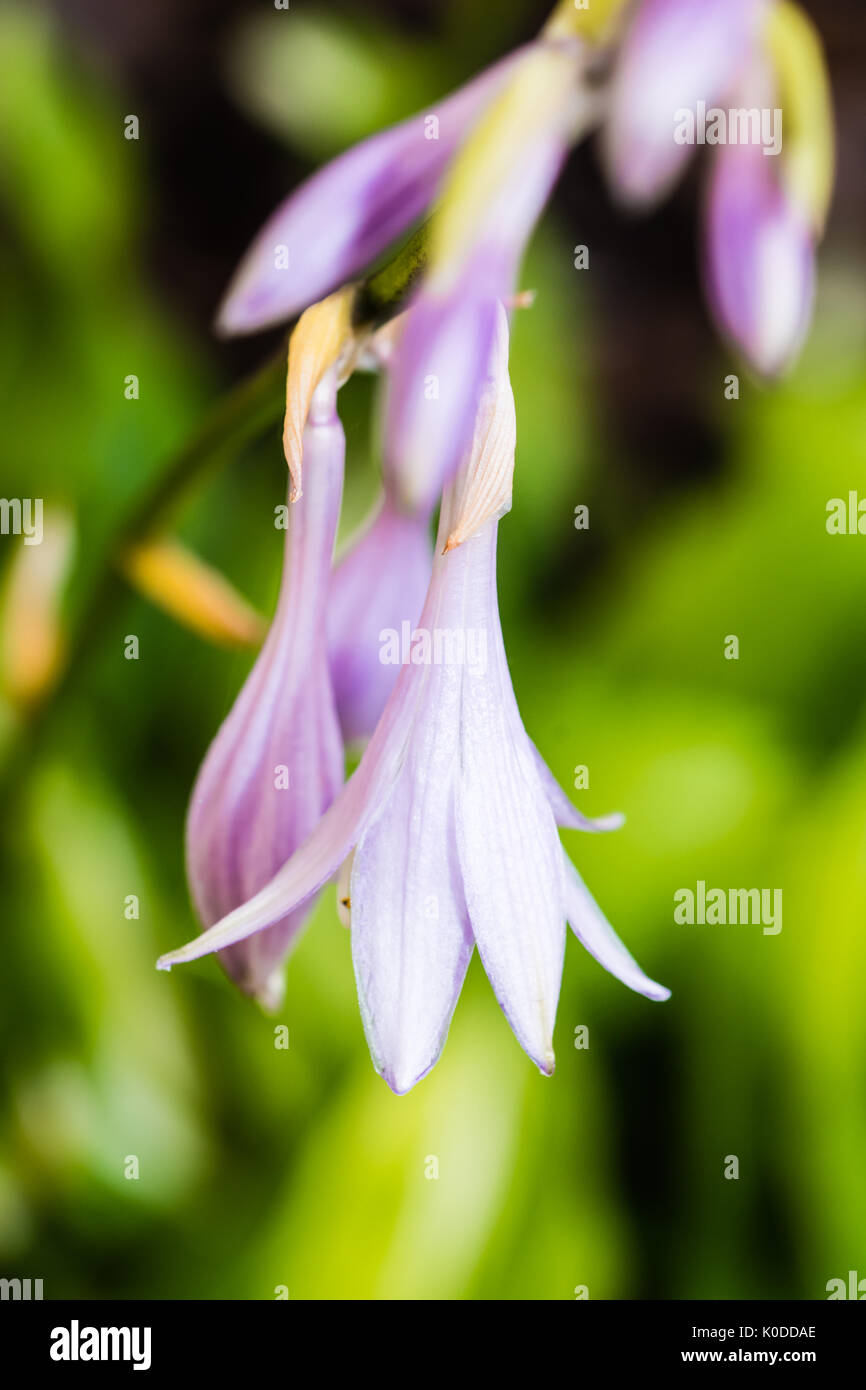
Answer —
325 849
494 195
593 931
759 263
675 54
379 583
340 220
411 940
510 855
277 761
436 376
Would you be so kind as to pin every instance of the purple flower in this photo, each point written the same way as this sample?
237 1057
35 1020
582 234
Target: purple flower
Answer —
277 761
759 263
342 217
495 192
378 585
676 54
768 197
450 817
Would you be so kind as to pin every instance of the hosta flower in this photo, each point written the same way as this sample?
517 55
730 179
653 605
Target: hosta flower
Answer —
277 761
765 214
759 259
450 819
675 54
749 65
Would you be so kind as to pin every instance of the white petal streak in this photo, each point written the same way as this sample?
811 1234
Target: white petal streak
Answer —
510 855
411 941
593 931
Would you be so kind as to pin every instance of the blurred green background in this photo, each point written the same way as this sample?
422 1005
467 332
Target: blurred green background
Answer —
262 1168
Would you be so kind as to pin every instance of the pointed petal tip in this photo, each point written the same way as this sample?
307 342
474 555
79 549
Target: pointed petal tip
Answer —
399 1083
658 994
239 314
397 1088
224 324
547 1065
270 995
171 958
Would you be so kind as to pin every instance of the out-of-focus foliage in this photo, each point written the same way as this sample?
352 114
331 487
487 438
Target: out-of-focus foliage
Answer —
260 1166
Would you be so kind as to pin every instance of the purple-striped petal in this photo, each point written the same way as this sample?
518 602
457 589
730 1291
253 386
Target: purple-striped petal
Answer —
676 53
379 584
342 217
411 941
759 262
277 761
326 848
593 931
510 855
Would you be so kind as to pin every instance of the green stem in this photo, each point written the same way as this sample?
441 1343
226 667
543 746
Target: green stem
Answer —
383 294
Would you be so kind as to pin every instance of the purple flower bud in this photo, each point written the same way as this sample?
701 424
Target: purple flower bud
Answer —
342 217
277 761
758 259
441 359
676 54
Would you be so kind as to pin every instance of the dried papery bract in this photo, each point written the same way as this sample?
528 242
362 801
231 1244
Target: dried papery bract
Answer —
483 492
199 597
321 336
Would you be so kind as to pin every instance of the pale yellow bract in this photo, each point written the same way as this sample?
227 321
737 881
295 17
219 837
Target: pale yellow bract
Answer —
808 159
317 342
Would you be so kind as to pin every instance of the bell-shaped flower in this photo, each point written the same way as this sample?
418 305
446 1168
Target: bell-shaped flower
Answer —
759 259
766 212
347 213
675 55
769 185
450 818
277 761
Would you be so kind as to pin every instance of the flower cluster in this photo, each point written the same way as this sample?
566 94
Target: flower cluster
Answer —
445 837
